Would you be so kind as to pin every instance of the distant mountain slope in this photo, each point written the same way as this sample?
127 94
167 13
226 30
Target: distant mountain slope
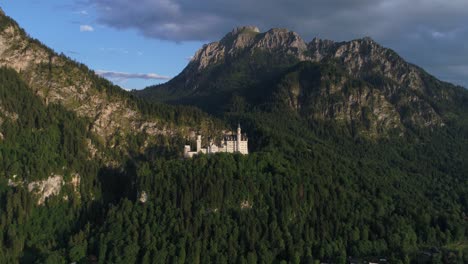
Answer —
114 113
356 81
37 140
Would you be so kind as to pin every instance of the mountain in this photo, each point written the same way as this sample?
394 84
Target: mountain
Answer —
112 112
355 155
358 83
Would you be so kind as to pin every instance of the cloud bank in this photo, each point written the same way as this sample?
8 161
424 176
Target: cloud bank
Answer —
122 76
430 33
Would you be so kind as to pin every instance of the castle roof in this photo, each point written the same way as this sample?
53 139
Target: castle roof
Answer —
233 137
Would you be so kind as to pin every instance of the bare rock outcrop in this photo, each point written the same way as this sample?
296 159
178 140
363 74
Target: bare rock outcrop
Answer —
143 197
46 188
283 41
246 204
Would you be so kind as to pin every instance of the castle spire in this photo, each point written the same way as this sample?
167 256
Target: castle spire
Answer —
239 137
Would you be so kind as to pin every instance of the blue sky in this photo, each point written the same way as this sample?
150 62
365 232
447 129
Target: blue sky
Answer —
57 24
136 43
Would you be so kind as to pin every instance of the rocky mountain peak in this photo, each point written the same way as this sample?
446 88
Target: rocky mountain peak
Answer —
367 39
279 39
1 12
319 48
236 40
361 58
364 57
240 39
240 32
364 46
319 41
245 29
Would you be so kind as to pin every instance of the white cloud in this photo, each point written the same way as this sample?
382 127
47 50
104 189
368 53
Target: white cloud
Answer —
86 28
122 76
437 34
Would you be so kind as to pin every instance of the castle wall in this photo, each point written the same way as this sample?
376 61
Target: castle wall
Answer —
214 149
243 147
190 154
231 146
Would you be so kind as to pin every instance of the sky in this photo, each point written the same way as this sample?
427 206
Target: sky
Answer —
137 43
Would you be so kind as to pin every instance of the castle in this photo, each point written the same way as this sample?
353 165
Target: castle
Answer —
231 143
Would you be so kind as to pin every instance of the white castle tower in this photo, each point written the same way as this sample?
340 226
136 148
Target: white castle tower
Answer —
242 142
199 143
239 138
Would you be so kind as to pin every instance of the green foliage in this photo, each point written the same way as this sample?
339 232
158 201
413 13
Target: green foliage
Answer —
329 205
5 21
38 140
313 190
250 76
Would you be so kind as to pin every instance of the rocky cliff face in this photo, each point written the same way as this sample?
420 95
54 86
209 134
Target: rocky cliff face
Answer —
400 83
364 58
57 80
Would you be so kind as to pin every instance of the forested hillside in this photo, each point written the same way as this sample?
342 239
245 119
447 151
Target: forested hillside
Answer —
319 200
39 141
358 154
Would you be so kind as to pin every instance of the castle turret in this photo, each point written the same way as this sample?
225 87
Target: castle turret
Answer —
198 143
239 137
186 149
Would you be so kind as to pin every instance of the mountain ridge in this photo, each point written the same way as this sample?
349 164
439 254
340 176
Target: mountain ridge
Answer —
247 62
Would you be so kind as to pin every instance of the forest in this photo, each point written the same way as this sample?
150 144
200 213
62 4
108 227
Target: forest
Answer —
310 192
